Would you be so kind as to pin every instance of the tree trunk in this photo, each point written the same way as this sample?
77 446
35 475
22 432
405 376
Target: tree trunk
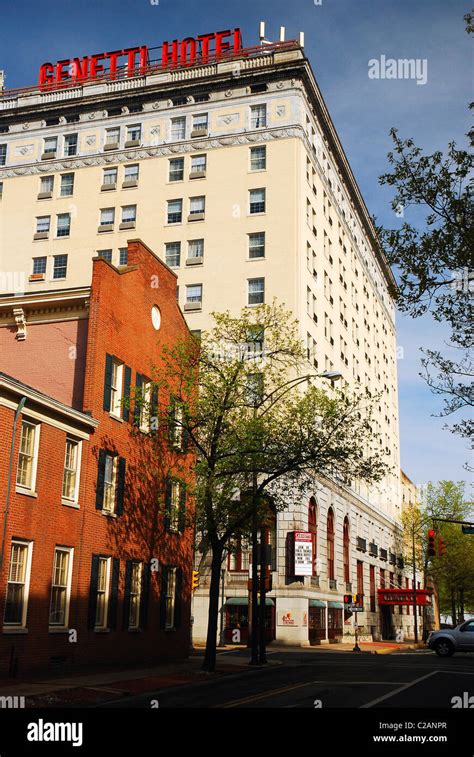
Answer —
453 608
461 605
209 663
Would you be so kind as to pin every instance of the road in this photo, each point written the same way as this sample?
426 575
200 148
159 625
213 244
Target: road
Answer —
318 679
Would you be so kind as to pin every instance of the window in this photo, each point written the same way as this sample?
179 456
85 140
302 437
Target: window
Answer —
72 462
43 224
198 164
131 173
145 406
28 455
103 592
330 545
112 136
196 249
3 155
109 177
175 211
107 216
61 587
257 201
345 550
173 254
372 588
134 133
123 256
129 214
256 291
60 267
313 529
106 254
257 245
47 185
254 389
360 577
176 172
16 601
70 145
39 266
175 502
200 122
258 116
50 146
169 594
197 206
67 185
258 158
194 294
178 128
135 594
110 483
63 226
116 388
238 558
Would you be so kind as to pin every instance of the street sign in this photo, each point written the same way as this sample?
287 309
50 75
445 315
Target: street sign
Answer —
355 608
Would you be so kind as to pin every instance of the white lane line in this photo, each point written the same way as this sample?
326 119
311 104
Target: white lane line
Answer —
397 691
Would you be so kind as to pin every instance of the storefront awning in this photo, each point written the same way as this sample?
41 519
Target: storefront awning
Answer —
244 601
316 603
336 605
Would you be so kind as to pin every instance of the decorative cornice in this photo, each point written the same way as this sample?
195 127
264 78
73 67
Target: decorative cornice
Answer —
143 153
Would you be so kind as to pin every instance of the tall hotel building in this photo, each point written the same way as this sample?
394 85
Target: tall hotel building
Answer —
231 169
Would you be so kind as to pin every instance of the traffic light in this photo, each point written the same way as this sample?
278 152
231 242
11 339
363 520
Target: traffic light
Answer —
347 599
441 547
195 584
431 543
359 599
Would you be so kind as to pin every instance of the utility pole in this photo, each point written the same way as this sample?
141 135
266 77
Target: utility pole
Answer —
262 613
415 616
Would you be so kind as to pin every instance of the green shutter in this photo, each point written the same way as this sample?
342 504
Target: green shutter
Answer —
99 499
126 595
127 380
114 582
120 485
109 361
93 592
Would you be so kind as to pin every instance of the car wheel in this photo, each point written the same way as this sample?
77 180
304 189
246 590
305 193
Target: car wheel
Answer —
444 648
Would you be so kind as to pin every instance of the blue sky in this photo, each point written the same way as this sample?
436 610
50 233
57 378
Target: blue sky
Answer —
341 37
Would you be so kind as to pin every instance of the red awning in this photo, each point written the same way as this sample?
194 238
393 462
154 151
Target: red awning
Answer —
405 597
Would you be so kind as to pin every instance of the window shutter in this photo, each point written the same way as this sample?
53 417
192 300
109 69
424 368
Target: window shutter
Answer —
126 594
138 396
168 495
108 381
127 380
145 595
112 620
178 598
99 500
154 409
164 584
120 485
182 508
93 592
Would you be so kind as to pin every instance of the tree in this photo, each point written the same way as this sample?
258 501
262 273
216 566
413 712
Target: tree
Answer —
434 262
259 424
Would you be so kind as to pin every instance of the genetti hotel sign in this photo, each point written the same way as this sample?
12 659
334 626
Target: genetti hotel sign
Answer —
134 61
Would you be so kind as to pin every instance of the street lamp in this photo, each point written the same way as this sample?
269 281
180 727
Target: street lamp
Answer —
330 375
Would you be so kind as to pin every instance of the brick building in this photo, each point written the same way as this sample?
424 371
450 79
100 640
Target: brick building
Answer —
97 556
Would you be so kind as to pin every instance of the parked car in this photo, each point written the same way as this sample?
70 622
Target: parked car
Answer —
448 641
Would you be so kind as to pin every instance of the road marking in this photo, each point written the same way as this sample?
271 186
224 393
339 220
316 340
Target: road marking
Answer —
265 695
397 691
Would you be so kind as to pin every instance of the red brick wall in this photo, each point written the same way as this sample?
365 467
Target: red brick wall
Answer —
60 345
120 324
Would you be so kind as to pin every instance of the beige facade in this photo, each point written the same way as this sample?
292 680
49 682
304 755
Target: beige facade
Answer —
235 172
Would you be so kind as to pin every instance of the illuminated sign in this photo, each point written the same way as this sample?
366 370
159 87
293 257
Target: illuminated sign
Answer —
134 61
404 597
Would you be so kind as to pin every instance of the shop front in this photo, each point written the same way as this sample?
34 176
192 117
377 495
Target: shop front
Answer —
335 610
238 619
317 621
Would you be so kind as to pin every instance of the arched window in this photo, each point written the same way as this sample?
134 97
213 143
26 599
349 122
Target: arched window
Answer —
345 550
313 529
330 544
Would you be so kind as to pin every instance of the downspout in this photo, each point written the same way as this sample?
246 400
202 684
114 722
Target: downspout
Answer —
9 480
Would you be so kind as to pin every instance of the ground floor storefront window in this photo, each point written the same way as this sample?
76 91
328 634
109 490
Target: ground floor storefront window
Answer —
334 621
317 621
238 618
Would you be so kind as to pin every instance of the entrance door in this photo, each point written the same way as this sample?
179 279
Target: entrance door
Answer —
317 624
386 622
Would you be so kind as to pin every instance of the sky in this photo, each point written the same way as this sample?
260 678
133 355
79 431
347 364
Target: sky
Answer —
341 36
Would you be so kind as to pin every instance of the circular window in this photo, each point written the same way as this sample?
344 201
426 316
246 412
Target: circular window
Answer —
156 317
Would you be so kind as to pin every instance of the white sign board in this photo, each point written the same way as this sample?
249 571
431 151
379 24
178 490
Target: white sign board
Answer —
303 554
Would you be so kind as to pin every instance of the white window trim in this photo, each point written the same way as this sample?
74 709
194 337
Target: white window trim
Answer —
107 595
145 408
31 490
114 406
136 625
57 627
173 571
75 501
114 482
29 545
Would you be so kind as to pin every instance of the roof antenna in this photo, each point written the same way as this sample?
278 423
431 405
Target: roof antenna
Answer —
282 33
263 40
301 39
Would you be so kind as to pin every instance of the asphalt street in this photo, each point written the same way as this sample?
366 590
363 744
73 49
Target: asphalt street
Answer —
316 679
